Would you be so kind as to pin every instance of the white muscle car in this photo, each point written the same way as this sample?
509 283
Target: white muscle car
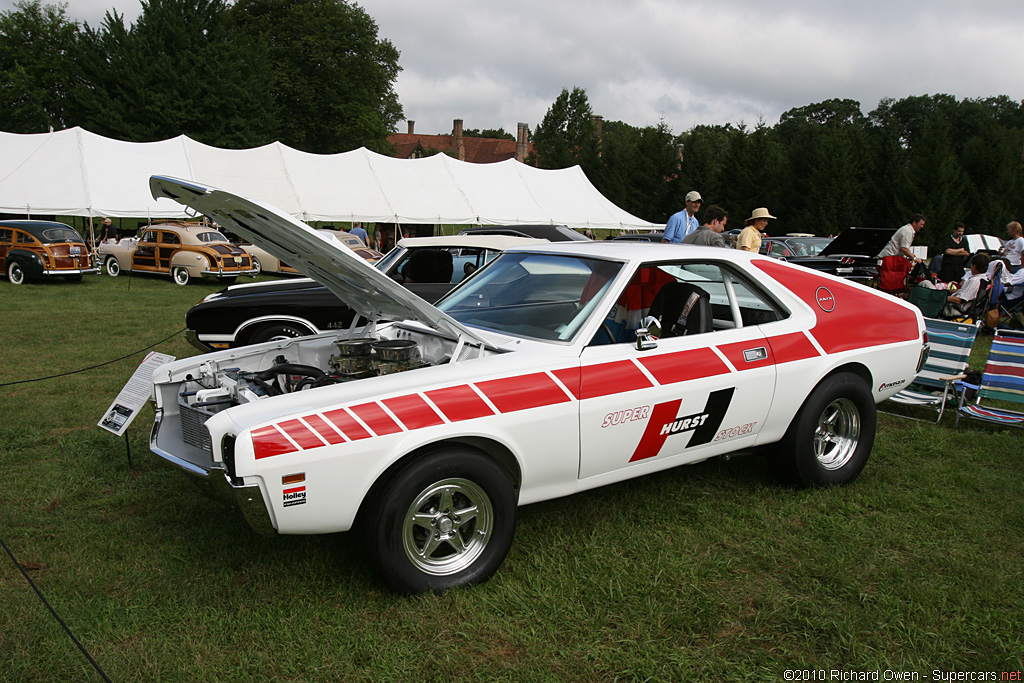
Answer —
554 369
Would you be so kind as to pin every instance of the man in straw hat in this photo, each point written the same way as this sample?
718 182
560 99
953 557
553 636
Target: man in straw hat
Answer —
750 237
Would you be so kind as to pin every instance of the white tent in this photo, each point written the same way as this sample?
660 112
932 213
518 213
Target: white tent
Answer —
77 173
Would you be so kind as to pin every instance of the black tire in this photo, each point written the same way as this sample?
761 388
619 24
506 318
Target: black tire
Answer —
831 437
15 273
445 520
180 275
278 332
112 267
256 266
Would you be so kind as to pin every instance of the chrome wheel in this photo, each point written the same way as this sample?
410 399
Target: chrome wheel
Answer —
447 527
180 275
113 267
838 433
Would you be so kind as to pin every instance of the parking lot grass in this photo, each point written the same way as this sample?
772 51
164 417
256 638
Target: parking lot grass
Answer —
707 572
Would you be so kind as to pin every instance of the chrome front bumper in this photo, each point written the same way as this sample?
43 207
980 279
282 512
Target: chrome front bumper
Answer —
211 477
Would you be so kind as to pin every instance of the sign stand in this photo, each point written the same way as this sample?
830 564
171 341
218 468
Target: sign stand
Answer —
133 396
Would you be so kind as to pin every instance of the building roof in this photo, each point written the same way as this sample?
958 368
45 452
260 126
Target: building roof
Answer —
478 150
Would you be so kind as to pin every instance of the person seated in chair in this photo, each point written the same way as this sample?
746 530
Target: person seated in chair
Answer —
960 303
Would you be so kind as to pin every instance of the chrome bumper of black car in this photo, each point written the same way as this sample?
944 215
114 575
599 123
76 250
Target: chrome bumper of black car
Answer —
212 478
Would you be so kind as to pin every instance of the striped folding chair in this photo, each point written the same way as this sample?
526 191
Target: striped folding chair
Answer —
950 347
1002 381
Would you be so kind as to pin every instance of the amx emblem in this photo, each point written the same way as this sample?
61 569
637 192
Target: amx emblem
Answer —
825 300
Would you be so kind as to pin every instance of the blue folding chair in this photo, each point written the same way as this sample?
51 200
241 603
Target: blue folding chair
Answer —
950 348
1003 380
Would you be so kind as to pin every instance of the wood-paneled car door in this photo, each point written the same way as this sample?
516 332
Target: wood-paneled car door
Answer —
169 243
703 389
144 256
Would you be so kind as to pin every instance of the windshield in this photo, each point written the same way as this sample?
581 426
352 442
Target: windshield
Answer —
60 235
809 246
538 296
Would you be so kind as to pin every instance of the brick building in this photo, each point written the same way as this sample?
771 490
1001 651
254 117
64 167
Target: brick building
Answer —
412 145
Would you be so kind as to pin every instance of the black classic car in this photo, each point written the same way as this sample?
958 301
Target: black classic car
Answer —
853 254
252 313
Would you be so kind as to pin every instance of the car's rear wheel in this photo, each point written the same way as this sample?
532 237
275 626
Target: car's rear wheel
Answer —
445 520
256 266
831 437
278 332
113 268
180 275
15 274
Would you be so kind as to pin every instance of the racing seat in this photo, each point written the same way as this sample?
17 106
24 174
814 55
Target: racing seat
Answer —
682 308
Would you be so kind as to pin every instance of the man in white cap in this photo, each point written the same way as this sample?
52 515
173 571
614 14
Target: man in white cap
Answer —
683 223
750 237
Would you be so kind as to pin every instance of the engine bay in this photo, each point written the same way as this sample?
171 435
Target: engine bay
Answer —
251 374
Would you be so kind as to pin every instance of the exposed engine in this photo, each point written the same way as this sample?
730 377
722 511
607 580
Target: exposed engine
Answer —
250 375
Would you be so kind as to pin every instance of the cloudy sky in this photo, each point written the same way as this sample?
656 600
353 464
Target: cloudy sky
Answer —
494 64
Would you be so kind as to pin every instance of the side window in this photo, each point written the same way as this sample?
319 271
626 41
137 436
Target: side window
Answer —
24 237
688 298
169 238
5 235
149 236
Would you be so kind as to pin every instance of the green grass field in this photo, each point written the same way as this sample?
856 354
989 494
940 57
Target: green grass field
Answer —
703 573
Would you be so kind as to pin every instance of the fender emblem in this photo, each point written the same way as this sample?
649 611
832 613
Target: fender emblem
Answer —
825 300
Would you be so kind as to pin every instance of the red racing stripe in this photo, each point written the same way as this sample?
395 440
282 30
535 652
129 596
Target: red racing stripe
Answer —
734 353
669 368
347 424
612 378
376 419
413 411
459 403
792 347
300 434
268 441
520 393
570 377
854 318
321 427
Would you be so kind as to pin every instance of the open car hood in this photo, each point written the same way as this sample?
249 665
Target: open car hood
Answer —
365 289
859 242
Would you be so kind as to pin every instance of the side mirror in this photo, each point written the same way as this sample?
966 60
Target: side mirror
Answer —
647 336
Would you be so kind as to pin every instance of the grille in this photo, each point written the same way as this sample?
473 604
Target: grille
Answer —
193 426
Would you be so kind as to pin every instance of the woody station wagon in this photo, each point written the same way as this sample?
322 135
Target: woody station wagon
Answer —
37 249
181 250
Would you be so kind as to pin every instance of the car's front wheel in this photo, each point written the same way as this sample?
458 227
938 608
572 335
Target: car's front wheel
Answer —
180 275
15 273
112 266
831 437
445 520
257 268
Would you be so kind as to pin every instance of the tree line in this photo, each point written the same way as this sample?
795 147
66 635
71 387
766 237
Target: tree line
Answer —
316 75
822 168
313 74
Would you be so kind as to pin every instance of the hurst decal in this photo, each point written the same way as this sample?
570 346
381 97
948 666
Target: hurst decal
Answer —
666 422
295 496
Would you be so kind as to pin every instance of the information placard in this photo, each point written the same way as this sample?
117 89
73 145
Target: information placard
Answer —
134 394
